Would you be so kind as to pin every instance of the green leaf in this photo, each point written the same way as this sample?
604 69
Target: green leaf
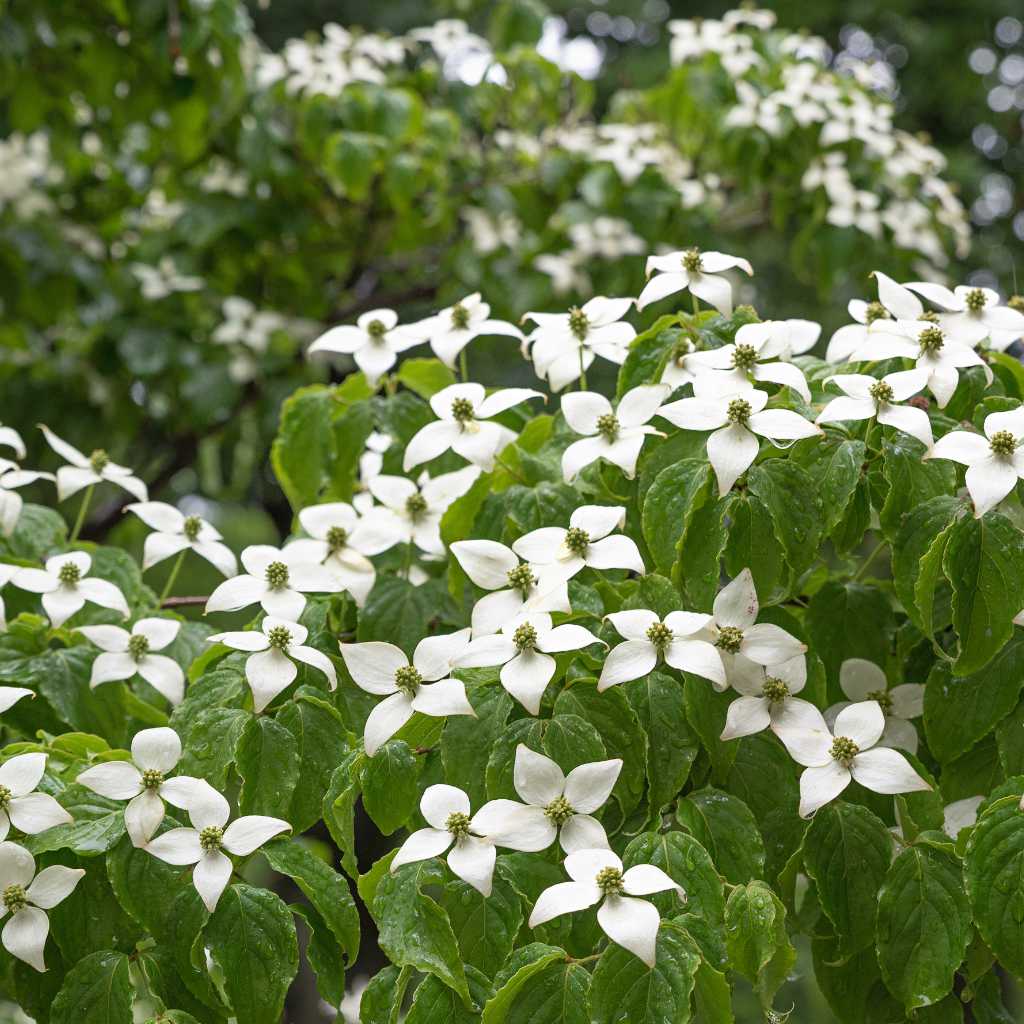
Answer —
570 741
911 479
706 710
696 569
924 925
267 758
544 989
145 886
753 545
834 464
727 829
304 445
91 918
466 742
390 784
425 376
648 353
485 927
97 990
677 492
210 744
794 503
523 966
984 561
397 612
252 937
755 933
382 998
853 987
849 620
98 824
434 1001
339 809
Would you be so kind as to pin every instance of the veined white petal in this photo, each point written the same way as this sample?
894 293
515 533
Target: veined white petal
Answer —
588 786
632 924
250 832
862 722
629 660
422 845
210 877
538 779
736 603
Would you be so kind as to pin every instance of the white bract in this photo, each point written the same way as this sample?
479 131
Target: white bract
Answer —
679 640
126 654
174 532
451 828
597 877
87 470
614 434
699 271
555 805
374 342
26 896
994 461
523 649
973 315
422 685
276 646
11 478
832 760
65 587
144 784
866 397
20 805
10 438
735 420
768 699
205 843
894 302
464 425
451 330
862 680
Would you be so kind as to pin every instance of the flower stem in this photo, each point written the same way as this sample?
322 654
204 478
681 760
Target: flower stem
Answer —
463 366
172 576
82 510
583 371
867 561
696 304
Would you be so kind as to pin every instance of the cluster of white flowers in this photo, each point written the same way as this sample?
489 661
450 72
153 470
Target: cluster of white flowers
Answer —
28 169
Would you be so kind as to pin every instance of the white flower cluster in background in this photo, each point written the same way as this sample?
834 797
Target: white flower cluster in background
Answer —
27 170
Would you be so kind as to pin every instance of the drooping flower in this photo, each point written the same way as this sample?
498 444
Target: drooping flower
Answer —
464 425
597 877
450 827
174 532
26 896
126 654
275 647
65 587
11 477
862 680
144 784
374 342
452 329
523 649
587 542
734 421
86 470
424 684
205 843
555 805
20 805
768 699
679 641
613 434
866 397
699 271
994 461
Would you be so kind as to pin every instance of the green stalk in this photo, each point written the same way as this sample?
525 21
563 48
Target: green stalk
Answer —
82 510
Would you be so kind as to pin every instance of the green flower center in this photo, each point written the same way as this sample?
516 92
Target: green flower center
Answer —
211 838
279 637
408 679
191 527
608 426
5 798
729 639
881 392
138 646
774 690
337 538
659 634
844 750
609 881
521 578
692 261
69 573
462 410
460 317
277 575
458 824
559 811
415 505
1002 442
876 311
744 357
931 339
883 698
738 412
578 323
930 315
1016 302
376 330
152 779
525 637
577 540
99 460
975 300
14 898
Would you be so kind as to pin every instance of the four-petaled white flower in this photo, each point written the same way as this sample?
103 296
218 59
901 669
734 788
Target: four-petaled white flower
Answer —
865 397
767 699
464 425
11 477
974 314
452 329
894 302
65 587
518 589
277 578
174 532
735 420
26 896
20 805
563 345
424 684
205 842
679 640
585 543
556 804
613 434
597 876
451 828
86 470
523 649
699 271
126 654
374 342
994 461
144 784
832 760
787 338
863 680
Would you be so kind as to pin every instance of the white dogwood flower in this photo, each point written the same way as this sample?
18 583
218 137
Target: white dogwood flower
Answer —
424 684
26 896
10 438
464 425
518 589
994 461
895 302
126 654
144 784
20 805
205 843
451 828
555 805
86 470
587 542
65 587
972 315
374 342
452 329
832 760
277 578
679 641
563 345
597 877
275 647
523 649
734 421
174 532
768 699
699 271
786 338
11 502
613 434
862 680
865 397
